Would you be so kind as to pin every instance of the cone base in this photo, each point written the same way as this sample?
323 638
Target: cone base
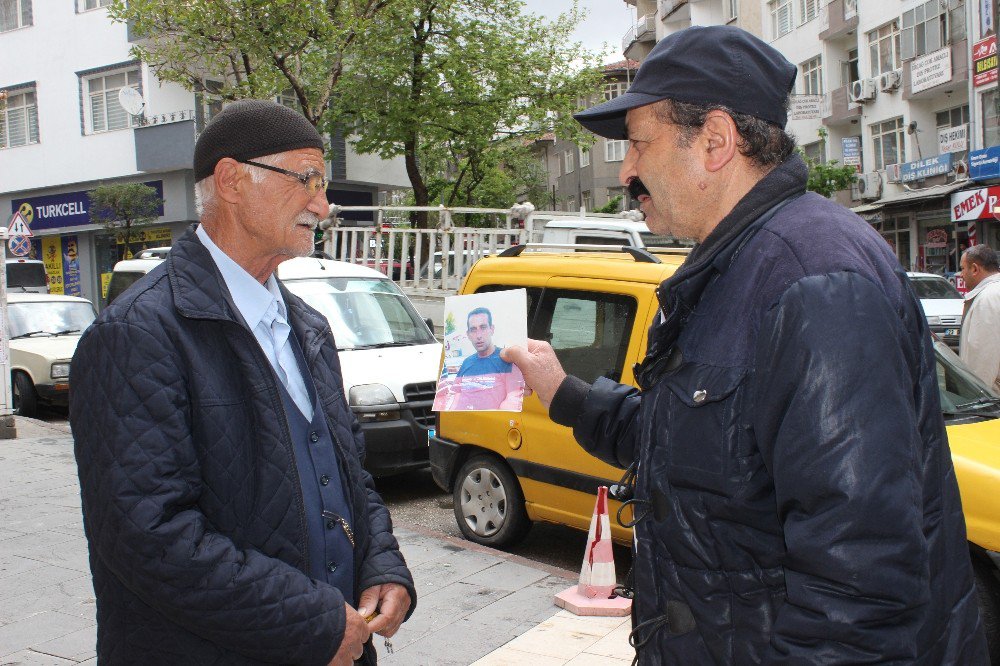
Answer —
576 603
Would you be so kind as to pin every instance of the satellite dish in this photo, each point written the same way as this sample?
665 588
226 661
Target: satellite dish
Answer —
131 100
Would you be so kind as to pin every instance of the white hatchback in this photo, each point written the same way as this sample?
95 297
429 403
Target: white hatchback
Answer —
942 305
44 330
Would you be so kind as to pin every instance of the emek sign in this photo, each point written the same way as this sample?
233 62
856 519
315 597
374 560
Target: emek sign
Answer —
974 204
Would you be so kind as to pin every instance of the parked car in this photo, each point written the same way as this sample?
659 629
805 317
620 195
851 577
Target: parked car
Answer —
595 310
942 305
128 272
598 231
44 330
153 253
26 275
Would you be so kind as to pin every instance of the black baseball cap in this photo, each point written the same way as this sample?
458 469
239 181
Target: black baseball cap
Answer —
715 64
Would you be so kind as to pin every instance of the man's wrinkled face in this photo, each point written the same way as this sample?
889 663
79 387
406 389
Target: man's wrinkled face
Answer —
480 332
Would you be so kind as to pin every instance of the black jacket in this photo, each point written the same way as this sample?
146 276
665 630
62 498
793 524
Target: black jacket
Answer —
191 501
801 505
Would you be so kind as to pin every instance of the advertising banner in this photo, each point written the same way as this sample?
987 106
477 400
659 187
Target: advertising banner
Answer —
985 163
71 266
806 107
851 146
984 61
52 256
931 70
974 204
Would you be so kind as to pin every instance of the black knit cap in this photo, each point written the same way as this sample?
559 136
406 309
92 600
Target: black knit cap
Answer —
252 128
715 64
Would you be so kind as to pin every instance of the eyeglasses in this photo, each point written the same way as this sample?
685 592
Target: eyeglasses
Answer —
312 180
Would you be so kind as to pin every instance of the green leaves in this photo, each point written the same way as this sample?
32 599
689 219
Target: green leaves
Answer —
122 207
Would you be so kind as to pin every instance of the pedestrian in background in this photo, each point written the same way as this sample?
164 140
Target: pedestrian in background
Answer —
228 515
979 341
794 497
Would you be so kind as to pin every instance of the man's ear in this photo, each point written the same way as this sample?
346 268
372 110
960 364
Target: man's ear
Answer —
227 176
719 139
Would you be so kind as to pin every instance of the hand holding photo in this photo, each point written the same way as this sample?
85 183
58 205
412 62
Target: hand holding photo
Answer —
477 328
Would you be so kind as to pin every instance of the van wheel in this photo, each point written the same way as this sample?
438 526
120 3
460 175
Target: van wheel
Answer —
489 503
23 393
988 591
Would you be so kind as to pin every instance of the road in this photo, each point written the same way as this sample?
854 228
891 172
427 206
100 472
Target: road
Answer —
415 501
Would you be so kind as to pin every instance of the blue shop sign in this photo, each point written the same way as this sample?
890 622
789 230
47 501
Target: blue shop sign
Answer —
984 164
932 166
70 209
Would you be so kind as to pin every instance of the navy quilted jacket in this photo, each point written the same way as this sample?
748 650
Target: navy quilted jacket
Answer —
191 500
798 500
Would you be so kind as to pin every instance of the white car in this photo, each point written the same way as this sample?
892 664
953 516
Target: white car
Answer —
942 305
127 272
44 330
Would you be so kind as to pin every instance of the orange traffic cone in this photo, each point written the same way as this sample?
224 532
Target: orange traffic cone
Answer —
594 595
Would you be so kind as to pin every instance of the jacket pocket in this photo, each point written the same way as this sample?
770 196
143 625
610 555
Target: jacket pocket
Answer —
702 406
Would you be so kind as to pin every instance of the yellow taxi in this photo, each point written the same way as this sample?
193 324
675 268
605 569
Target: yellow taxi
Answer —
506 470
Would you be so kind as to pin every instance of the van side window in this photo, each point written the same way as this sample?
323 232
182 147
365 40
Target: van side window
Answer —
617 241
589 331
533 294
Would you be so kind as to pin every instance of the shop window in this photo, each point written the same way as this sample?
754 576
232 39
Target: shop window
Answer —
614 150
887 142
14 14
925 29
812 76
19 120
781 17
104 113
883 44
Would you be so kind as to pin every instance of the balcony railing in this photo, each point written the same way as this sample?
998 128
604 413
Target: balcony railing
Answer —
643 30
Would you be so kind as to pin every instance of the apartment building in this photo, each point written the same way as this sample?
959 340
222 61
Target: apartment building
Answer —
64 130
655 19
587 178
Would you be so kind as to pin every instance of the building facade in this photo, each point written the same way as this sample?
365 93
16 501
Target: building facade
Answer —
65 129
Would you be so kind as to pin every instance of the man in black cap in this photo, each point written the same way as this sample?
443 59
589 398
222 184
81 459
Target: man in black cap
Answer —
228 515
794 496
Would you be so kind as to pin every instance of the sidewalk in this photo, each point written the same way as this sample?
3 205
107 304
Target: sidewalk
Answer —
476 605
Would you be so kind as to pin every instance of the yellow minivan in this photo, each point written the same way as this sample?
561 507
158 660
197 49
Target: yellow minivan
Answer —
506 470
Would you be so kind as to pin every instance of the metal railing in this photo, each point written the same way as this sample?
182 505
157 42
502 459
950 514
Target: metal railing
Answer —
644 27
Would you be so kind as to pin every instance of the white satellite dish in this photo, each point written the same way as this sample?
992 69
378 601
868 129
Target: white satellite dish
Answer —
131 100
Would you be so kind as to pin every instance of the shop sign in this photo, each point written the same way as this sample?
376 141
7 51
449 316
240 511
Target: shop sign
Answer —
931 166
69 209
851 146
931 70
985 163
953 139
806 107
984 61
974 204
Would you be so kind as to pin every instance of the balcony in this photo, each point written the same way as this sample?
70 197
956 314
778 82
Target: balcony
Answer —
165 142
639 40
668 7
838 109
837 25
956 84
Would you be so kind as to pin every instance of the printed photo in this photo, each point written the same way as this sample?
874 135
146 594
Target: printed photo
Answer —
477 327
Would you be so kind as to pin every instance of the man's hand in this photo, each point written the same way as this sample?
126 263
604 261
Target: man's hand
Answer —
392 601
356 634
541 369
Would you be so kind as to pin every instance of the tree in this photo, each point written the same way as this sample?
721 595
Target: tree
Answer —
124 207
614 205
255 48
457 86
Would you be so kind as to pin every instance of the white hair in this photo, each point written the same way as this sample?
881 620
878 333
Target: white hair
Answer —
204 189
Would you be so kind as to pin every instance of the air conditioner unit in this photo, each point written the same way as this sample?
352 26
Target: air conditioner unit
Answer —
892 173
863 90
890 81
869 185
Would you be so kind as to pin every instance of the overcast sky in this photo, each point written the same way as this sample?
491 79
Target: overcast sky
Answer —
607 21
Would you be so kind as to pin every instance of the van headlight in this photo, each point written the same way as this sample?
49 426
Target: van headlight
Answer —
933 320
60 371
373 402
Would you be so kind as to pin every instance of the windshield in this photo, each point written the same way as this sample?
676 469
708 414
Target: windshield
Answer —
936 288
46 318
962 393
364 312
25 274
649 239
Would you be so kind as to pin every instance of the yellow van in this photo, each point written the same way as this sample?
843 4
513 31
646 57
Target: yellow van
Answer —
506 470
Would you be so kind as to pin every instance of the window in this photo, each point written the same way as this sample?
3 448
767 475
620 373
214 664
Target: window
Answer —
781 17
812 76
584 157
19 122
808 9
614 89
589 331
850 72
14 14
887 142
211 99
106 114
569 161
587 201
94 4
614 150
623 197
884 46
991 118
732 8
288 98
925 29
814 152
957 117
571 205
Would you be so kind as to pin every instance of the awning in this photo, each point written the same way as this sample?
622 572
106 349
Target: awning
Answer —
924 193
866 208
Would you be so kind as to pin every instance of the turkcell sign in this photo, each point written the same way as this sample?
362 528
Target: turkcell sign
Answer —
985 163
70 209
932 166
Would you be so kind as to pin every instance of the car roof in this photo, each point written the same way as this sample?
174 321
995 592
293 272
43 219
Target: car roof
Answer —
304 268
599 225
19 260
44 298
914 274
587 265
139 265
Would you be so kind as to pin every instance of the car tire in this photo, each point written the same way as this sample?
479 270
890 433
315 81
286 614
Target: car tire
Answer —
23 394
988 590
489 503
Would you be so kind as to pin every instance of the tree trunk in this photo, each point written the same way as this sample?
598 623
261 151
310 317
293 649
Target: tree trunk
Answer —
421 197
